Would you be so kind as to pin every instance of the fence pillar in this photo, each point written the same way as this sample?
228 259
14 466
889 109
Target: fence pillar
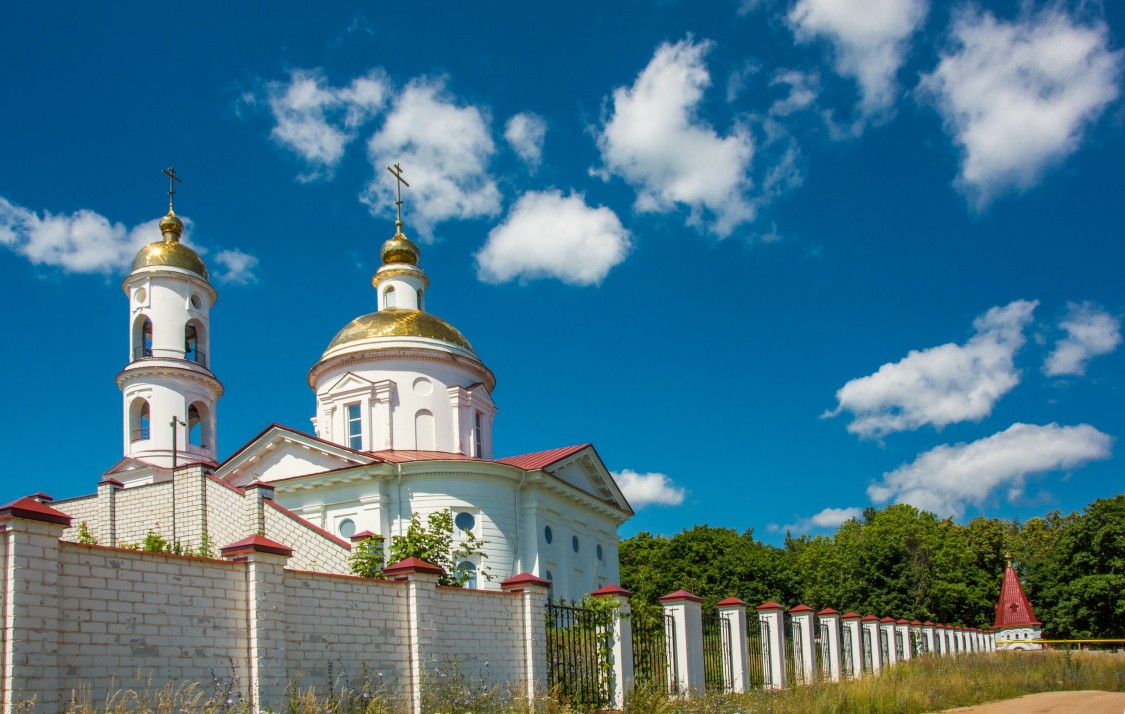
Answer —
265 609
773 616
622 648
874 632
687 616
534 591
850 624
106 530
254 508
802 617
734 610
942 645
421 580
829 621
30 533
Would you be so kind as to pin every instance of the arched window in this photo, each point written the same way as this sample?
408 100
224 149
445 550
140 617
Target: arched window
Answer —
142 337
419 299
199 425
467 567
138 420
425 436
389 297
193 343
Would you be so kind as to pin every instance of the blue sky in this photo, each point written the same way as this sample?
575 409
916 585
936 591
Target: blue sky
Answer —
777 260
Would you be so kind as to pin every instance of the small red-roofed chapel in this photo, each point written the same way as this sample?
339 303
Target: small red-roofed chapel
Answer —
1015 626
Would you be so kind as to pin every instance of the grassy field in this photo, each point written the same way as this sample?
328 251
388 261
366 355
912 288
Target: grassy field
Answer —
928 684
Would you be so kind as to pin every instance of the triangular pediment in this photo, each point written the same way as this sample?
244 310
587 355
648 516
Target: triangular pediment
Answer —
281 453
350 382
585 471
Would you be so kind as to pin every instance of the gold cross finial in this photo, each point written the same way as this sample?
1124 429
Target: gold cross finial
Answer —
173 179
1008 557
397 173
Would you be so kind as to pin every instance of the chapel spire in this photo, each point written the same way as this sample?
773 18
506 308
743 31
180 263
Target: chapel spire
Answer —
399 281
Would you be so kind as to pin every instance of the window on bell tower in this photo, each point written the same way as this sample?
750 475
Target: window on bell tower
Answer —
139 420
355 427
195 426
142 337
478 437
389 297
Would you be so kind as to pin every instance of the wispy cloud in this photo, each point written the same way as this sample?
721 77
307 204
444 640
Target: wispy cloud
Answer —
940 385
236 267
947 478
655 139
870 40
317 121
648 489
525 133
548 235
823 520
1090 332
1018 96
445 148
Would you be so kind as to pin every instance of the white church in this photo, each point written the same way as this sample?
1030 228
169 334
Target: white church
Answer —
403 423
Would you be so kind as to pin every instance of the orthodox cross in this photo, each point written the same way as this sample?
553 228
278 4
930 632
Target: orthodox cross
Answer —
173 179
397 173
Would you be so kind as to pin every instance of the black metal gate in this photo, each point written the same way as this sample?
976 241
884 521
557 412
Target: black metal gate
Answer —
579 643
847 657
758 652
717 672
794 661
868 651
654 637
824 663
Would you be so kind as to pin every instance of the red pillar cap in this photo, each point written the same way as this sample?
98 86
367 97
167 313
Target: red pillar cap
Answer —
27 507
608 590
828 611
681 596
730 602
256 544
361 535
850 616
412 565
523 580
800 609
771 605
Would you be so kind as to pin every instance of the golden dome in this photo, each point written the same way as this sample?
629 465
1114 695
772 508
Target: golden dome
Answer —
170 251
400 322
400 249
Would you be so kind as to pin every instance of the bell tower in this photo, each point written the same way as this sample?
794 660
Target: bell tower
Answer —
169 390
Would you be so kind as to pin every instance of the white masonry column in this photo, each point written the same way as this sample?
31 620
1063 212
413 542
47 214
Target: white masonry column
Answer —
849 623
870 625
829 620
772 617
622 654
902 629
942 643
534 592
734 611
887 629
687 618
802 617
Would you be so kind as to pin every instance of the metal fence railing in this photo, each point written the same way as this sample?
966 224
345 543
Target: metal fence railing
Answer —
717 664
823 663
847 657
654 637
579 643
758 652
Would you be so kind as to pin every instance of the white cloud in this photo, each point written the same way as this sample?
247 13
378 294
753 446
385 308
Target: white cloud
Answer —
828 518
648 489
237 268
1017 96
317 121
548 235
656 141
944 479
870 39
82 242
803 90
1089 332
525 133
940 385
444 149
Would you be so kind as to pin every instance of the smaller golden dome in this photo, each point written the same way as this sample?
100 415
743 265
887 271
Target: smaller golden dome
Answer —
400 322
400 249
171 224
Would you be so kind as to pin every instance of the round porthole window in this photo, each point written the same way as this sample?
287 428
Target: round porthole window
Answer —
196 302
465 521
548 535
140 296
346 528
574 543
599 551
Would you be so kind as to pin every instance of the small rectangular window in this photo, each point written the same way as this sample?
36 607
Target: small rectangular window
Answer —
355 427
478 439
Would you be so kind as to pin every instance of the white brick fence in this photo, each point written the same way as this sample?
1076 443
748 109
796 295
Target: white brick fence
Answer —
92 616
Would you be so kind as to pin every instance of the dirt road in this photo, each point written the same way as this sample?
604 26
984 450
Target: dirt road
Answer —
1053 703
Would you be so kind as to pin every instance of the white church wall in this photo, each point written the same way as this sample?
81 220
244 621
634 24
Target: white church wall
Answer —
281 464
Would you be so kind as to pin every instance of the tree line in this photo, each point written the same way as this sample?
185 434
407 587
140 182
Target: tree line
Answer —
903 562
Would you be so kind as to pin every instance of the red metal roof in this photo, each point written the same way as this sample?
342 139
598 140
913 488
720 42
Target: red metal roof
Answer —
1014 609
398 456
539 459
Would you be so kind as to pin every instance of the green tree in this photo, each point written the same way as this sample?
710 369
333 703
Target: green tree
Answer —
433 543
366 559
